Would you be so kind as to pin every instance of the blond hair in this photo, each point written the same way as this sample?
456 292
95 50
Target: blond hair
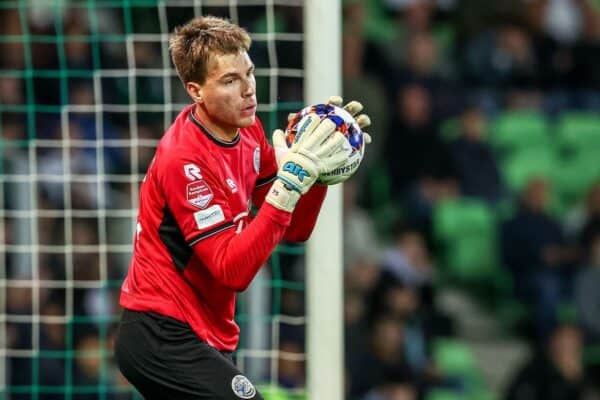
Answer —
193 44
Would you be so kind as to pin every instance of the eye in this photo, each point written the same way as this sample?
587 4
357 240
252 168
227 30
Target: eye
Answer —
228 81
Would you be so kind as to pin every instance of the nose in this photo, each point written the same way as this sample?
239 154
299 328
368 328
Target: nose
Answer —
249 87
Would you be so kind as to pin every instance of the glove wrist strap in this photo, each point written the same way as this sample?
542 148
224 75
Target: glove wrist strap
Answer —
282 197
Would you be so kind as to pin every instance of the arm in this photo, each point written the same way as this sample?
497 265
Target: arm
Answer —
235 258
305 214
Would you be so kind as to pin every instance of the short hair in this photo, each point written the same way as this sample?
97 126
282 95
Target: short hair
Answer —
193 44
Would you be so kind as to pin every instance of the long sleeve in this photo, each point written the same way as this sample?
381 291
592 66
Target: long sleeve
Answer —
235 258
304 216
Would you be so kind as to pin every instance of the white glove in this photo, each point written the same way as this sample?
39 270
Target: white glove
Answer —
318 148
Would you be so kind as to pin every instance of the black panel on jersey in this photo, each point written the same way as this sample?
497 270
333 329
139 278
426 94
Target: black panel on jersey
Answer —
173 238
211 232
266 180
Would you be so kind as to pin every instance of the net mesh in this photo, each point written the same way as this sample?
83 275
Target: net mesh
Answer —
86 91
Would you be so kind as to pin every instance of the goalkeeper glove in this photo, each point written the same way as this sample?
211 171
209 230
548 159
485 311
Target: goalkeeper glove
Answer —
353 107
318 148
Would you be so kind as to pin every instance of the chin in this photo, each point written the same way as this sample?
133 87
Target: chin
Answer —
247 121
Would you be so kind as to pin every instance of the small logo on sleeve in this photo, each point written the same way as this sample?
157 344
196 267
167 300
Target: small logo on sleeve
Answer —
242 387
209 217
232 185
192 172
199 194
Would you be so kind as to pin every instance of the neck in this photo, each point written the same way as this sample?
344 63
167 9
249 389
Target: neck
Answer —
224 133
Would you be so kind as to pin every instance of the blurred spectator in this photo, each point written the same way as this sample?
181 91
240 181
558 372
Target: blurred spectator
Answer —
587 295
474 161
502 57
555 373
383 356
393 389
579 221
563 19
418 160
533 249
408 259
291 365
360 239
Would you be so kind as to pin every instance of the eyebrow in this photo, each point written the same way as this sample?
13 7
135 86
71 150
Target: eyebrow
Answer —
234 74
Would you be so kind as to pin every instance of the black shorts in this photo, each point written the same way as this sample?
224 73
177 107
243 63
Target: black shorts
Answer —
164 359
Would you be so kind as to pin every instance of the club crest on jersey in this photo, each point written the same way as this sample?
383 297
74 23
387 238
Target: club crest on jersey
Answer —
257 160
242 387
199 194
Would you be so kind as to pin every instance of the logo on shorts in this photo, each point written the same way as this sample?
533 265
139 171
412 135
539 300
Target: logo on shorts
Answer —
242 387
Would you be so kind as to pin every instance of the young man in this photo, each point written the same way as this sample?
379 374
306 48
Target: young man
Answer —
196 244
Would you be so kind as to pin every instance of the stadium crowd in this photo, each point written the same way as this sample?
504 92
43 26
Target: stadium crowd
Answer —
472 182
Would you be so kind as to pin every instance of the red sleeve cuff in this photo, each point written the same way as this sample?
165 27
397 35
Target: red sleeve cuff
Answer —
281 217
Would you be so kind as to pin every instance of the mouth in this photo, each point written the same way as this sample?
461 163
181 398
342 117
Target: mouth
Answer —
249 110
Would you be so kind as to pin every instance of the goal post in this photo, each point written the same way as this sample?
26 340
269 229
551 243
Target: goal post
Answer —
324 297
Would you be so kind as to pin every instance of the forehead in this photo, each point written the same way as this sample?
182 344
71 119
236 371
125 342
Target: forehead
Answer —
221 64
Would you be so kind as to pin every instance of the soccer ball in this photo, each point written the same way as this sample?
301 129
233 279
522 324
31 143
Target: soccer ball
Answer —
347 125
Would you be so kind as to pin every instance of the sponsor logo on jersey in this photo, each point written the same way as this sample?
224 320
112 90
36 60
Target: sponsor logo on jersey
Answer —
209 217
242 387
192 172
257 160
232 185
199 194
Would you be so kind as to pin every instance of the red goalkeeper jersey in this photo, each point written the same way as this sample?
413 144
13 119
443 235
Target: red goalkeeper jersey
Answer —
196 243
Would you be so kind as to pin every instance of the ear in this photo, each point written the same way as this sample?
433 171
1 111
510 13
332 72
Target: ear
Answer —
195 91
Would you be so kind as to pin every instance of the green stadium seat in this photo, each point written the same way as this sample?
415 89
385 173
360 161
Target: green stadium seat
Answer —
453 358
516 130
441 394
579 131
526 164
466 230
575 174
273 392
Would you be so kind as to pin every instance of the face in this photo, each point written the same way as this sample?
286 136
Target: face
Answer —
227 99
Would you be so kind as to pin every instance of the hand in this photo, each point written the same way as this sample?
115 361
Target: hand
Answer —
318 148
353 107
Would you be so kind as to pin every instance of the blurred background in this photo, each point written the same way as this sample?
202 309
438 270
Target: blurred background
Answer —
472 231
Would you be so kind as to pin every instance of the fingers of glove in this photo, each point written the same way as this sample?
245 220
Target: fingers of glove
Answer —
291 116
278 138
336 142
279 145
363 120
323 130
335 100
354 107
306 126
333 161
367 138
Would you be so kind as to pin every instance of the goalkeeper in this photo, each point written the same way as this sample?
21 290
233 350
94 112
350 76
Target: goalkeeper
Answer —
196 244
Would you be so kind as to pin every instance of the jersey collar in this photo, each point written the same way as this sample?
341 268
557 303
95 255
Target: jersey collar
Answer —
212 137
